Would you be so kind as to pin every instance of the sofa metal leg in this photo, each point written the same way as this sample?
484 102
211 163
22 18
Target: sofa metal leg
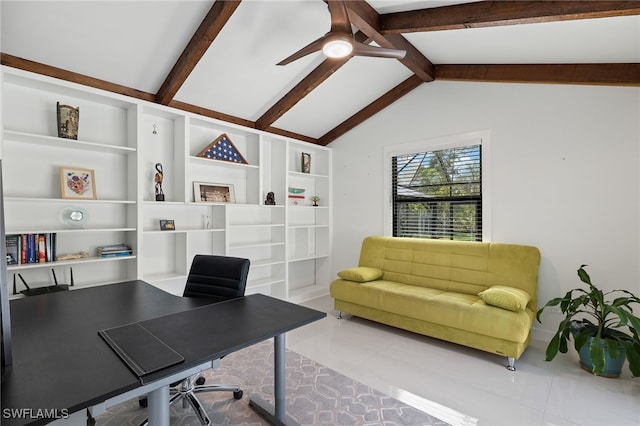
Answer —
512 364
339 314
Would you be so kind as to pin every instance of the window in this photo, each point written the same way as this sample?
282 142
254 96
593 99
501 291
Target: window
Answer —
438 194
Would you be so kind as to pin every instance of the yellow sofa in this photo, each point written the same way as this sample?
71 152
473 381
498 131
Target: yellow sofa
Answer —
481 295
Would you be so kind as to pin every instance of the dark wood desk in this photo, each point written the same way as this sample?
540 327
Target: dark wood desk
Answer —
60 362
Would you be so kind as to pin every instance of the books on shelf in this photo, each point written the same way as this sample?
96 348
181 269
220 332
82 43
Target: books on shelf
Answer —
114 250
24 249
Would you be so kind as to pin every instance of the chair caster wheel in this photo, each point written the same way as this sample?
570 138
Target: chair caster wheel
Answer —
143 402
237 394
200 381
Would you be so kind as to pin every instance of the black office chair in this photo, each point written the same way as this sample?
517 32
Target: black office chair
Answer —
215 277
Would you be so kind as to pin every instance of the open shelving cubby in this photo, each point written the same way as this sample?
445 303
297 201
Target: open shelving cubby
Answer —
308 225
33 198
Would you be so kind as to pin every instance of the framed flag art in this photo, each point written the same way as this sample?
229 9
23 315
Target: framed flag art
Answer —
223 149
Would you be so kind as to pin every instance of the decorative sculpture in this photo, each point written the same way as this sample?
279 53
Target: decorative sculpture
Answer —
271 199
158 181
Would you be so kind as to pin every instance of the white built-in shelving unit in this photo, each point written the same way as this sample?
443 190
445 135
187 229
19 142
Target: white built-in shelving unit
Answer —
122 139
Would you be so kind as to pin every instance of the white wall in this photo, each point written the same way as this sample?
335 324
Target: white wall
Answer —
564 174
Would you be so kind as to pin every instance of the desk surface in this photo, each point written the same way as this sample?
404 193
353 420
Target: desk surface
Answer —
60 362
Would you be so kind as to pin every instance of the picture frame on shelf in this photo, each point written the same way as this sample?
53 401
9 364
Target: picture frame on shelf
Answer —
167 225
68 119
223 149
205 192
77 183
305 162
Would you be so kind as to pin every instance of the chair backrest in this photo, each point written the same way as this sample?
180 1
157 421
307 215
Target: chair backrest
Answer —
217 277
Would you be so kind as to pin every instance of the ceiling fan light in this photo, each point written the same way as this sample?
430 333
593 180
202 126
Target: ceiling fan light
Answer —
337 48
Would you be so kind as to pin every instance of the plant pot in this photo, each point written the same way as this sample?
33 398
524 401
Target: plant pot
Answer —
612 366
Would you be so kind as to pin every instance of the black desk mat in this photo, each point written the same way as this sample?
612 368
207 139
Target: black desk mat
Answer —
140 349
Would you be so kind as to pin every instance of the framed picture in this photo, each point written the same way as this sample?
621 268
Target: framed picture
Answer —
305 166
167 225
68 120
204 192
77 183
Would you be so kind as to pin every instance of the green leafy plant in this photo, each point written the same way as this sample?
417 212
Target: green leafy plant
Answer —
609 320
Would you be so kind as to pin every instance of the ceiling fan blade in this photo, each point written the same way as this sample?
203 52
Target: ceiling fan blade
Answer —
314 46
361 49
339 17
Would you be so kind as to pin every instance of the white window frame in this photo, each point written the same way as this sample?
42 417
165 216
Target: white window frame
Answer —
481 137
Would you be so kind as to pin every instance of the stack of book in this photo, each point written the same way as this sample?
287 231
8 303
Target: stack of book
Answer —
30 248
114 250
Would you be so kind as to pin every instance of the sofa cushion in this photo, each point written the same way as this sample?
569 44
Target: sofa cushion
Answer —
512 299
361 274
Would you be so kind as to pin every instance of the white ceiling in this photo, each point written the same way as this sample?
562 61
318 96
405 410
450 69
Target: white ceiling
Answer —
136 43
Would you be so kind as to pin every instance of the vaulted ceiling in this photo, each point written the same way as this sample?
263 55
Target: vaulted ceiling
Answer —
219 58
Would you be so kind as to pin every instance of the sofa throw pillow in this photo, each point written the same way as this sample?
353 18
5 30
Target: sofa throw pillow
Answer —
510 298
361 274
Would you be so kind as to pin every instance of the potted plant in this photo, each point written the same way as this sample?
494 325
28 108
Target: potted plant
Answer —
602 326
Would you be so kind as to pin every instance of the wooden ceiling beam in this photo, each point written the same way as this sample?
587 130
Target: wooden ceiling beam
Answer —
62 74
365 17
615 74
500 13
302 89
73 77
370 110
208 30
236 120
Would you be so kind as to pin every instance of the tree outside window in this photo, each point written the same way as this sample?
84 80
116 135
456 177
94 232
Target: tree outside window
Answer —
438 194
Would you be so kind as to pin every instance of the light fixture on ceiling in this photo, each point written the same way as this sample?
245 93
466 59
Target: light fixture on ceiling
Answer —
339 41
337 46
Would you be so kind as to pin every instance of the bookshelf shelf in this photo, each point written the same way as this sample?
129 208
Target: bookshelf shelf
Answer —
64 201
184 231
219 163
56 263
67 230
32 138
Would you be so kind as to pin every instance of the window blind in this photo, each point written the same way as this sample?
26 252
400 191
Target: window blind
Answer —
438 194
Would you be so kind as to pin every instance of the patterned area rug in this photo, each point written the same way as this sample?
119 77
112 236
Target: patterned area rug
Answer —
316 395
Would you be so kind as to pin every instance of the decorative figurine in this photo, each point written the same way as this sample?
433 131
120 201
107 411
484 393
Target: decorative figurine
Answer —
315 200
271 199
73 256
158 181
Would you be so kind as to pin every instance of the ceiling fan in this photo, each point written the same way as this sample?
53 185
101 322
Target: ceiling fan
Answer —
339 41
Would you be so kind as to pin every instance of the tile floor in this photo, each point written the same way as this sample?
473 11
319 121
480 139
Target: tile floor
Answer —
467 386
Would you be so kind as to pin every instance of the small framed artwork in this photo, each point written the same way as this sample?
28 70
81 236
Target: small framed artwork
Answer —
68 120
77 183
167 225
305 166
204 192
